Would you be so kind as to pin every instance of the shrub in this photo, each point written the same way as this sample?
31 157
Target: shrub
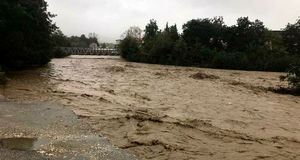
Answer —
293 77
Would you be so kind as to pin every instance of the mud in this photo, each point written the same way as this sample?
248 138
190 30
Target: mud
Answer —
168 112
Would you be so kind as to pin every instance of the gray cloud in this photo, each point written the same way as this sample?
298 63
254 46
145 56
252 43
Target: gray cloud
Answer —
110 18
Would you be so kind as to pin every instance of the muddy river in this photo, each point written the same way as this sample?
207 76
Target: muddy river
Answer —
167 112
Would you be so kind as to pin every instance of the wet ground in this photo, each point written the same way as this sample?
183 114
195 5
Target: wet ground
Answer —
44 131
169 112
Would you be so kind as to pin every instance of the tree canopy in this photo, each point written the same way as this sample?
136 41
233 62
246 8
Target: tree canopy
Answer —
25 31
134 32
151 30
291 38
248 45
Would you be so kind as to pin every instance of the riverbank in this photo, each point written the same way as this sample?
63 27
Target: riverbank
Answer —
169 112
3 78
44 131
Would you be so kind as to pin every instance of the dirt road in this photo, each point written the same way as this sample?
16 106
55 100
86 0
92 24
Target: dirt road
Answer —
167 112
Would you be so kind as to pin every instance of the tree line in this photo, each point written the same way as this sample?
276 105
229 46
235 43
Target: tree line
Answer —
25 30
30 38
74 41
248 45
61 40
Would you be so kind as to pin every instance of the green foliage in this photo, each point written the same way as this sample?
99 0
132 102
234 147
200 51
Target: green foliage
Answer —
130 49
162 49
208 32
210 43
162 45
82 41
103 45
25 31
291 38
151 30
246 36
59 53
59 40
293 77
180 54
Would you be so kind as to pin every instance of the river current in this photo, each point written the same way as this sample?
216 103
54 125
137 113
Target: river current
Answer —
169 112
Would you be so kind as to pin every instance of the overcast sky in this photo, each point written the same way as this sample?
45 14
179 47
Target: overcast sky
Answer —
110 18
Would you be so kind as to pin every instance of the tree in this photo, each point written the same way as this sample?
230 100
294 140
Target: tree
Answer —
210 43
180 53
83 41
246 35
103 45
59 39
167 29
161 51
25 31
129 48
206 31
134 32
93 35
173 31
291 38
159 48
151 30
93 38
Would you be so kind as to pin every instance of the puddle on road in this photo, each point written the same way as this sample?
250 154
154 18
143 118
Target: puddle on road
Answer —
23 144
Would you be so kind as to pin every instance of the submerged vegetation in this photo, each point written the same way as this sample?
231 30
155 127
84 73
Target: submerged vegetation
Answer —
293 77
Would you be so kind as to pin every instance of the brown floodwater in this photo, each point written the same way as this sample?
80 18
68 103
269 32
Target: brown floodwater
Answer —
22 144
168 112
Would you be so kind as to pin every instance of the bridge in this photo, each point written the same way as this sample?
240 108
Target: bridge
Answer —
90 51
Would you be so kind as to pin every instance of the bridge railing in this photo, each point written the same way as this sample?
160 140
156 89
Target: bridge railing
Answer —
90 51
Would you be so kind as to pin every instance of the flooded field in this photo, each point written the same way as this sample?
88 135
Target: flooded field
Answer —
167 112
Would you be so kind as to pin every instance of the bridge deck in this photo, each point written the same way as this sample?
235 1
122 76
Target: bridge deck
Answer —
89 51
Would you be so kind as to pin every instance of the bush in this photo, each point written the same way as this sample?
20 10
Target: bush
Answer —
293 77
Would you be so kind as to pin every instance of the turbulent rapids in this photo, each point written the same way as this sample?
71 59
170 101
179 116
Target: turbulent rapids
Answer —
168 112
